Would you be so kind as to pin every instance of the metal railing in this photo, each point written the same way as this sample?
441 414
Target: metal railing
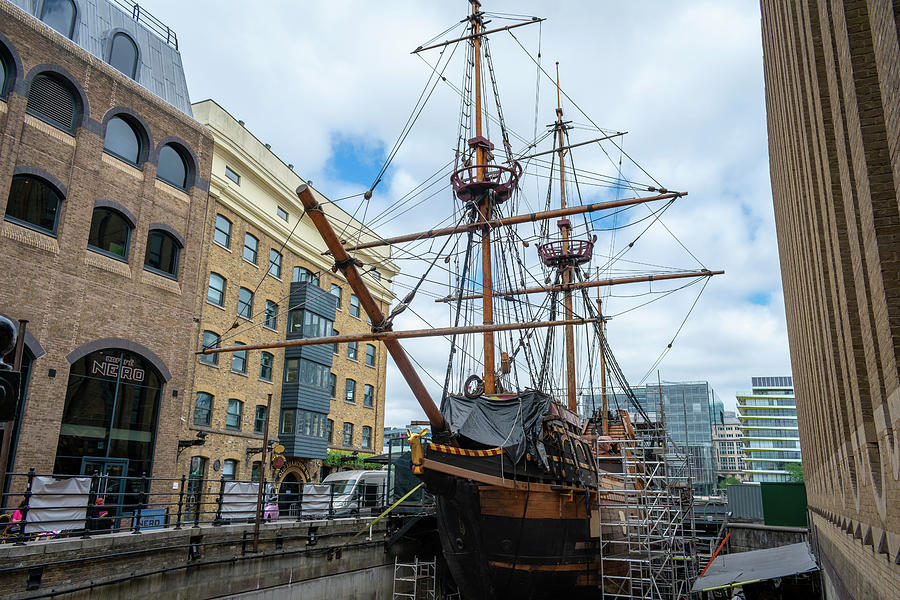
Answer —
140 15
49 506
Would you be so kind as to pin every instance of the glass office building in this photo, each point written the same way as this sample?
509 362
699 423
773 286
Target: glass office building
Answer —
688 411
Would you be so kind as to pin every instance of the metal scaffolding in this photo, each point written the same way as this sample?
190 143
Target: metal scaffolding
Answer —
415 580
647 528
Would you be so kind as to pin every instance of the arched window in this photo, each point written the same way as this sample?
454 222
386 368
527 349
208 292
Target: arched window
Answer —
172 167
33 203
110 233
52 99
60 15
7 73
203 409
122 140
162 253
210 340
110 415
123 54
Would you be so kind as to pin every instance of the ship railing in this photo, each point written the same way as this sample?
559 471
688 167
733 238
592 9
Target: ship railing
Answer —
46 506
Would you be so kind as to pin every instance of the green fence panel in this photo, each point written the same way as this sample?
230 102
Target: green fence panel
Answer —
784 504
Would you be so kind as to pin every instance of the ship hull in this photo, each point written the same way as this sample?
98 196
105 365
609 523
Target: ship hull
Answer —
506 538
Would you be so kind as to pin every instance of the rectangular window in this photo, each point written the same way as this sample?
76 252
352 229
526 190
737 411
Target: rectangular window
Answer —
271 315
368 396
332 382
370 355
254 471
229 469
216 291
239 360
336 291
251 248
312 424
352 348
334 346
265 366
203 409
275 263
230 174
354 306
288 421
309 324
303 275
347 439
291 369
306 371
245 303
329 430
233 416
259 419
222 234
282 214
350 391
366 436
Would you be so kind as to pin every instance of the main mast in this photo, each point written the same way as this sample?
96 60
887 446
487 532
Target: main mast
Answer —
485 207
564 227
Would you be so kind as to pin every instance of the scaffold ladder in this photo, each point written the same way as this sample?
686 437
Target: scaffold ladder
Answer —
415 580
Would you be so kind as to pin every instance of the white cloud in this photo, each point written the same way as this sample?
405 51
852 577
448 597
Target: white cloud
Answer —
685 79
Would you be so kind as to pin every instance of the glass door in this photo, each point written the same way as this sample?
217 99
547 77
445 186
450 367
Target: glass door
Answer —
109 489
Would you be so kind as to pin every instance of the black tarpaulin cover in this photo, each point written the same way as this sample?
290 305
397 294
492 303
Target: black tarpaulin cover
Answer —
510 422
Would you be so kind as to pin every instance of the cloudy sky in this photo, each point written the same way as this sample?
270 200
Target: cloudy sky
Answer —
330 86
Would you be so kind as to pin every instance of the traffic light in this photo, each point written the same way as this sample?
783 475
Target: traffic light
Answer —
9 394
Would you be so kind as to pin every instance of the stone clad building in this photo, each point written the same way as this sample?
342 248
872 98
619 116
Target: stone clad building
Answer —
265 279
832 73
103 195
729 448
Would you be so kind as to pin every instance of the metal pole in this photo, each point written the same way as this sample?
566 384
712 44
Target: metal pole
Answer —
9 426
180 502
262 475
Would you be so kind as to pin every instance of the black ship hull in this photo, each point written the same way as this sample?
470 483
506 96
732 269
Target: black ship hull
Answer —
515 531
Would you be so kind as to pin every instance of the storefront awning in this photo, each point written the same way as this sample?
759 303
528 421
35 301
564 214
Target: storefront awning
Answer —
757 565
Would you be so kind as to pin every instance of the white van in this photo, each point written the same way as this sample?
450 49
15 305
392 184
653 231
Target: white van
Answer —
356 491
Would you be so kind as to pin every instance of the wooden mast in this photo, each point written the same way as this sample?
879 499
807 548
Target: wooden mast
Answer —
567 266
514 220
347 266
605 414
580 285
485 209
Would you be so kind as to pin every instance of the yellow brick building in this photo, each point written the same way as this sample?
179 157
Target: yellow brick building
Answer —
263 279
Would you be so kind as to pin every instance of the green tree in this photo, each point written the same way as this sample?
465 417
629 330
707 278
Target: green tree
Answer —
730 480
795 472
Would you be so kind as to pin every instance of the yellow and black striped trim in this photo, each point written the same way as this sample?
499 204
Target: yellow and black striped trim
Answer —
463 451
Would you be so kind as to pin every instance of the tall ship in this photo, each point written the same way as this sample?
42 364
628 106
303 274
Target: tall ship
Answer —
550 478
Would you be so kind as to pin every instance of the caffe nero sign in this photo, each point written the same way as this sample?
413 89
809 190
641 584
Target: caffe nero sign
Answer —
115 367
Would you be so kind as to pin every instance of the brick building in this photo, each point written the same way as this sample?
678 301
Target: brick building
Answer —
265 279
832 73
103 192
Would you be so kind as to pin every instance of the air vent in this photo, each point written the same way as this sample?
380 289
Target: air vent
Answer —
51 101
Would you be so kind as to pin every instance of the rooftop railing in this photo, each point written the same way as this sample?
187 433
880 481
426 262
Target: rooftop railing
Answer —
160 29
